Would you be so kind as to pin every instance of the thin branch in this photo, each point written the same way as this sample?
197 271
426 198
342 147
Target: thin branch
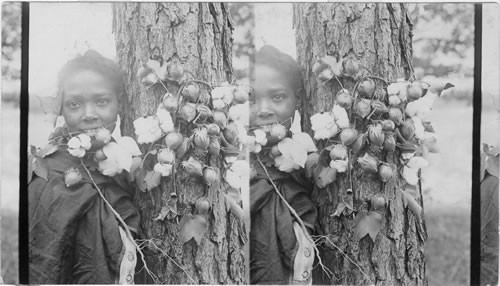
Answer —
159 79
348 258
341 86
151 242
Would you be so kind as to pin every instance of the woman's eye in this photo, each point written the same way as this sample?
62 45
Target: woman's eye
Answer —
73 104
279 97
102 102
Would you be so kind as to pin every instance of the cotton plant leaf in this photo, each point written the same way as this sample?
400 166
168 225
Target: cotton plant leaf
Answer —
165 212
311 162
235 194
192 227
369 224
323 176
334 64
339 210
50 104
305 141
129 144
410 175
31 158
491 159
40 168
233 206
412 204
428 127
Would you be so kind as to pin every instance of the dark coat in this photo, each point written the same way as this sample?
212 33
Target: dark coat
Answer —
489 229
273 244
73 235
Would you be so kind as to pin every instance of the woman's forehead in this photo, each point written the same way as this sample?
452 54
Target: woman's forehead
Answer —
270 78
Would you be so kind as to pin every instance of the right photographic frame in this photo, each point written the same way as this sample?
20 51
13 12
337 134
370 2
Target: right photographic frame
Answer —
489 144
388 97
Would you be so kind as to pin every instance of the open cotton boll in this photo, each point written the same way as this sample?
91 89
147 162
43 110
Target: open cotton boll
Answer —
164 169
165 119
147 129
85 141
339 165
341 117
239 113
78 152
223 91
323 125
260 137
74 143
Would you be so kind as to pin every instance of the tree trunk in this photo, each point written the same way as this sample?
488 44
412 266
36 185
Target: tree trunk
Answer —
197 35
379 37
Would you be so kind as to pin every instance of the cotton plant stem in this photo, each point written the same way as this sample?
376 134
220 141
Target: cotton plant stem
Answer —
341 86
169 257
297 217
348 258
120 220
161 82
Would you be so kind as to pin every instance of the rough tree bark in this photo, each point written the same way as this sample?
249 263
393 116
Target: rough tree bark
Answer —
198 35
379 37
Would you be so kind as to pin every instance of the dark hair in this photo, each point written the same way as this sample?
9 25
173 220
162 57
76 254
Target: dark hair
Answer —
93 61
271 57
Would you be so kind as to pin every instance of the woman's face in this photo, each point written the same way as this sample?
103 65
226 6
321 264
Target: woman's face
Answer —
89 102
273 100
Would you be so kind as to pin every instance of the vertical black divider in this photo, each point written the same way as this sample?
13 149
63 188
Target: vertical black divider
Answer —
23 149
475 261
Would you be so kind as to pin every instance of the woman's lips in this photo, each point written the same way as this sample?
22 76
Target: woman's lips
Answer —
91 131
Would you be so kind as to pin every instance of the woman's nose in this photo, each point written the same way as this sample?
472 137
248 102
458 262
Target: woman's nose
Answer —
265 108
90 112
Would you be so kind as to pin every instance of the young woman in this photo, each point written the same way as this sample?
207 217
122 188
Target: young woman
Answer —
74 236
280 252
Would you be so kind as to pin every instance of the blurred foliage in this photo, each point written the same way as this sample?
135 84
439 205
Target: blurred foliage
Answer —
443 39
9 238
243 18
11 40
449 231
243 37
